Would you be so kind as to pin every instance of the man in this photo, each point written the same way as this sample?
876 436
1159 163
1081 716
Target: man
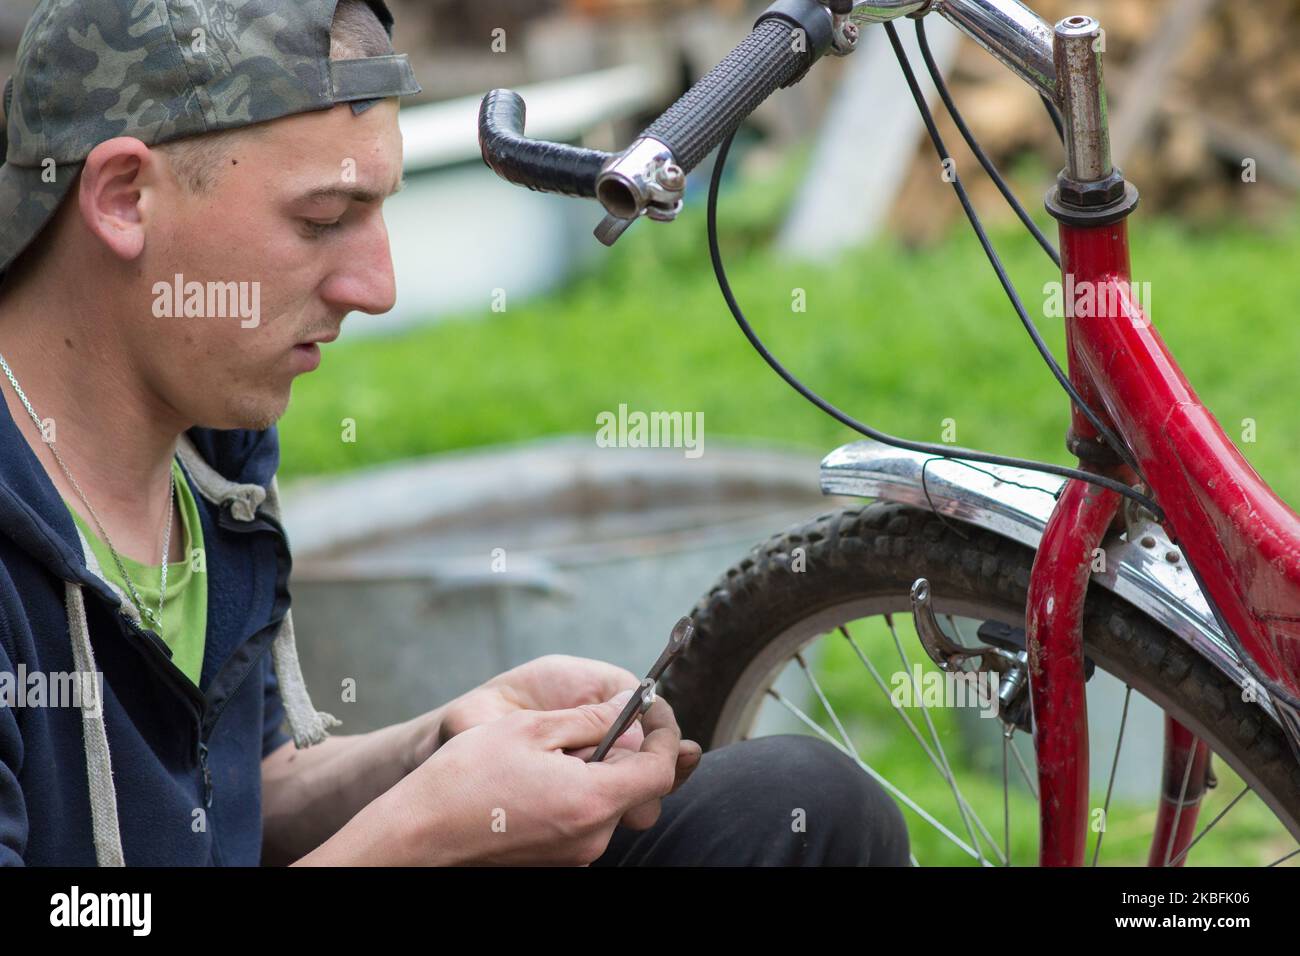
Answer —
192 205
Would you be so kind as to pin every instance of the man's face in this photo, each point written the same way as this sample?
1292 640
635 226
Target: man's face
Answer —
292 233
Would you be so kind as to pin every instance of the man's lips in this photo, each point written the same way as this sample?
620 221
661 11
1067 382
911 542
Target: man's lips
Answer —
321 339
307 352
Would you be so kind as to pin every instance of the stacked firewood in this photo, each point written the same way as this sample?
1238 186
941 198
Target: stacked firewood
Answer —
1204 100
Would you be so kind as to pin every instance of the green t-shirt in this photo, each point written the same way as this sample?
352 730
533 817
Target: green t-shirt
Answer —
185 612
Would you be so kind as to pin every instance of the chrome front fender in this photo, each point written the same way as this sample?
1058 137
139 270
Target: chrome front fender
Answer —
1142 566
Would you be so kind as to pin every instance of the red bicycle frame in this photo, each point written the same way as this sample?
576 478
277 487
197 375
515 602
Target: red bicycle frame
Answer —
1242 538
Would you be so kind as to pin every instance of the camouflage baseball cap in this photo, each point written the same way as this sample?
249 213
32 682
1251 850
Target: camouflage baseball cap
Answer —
161 70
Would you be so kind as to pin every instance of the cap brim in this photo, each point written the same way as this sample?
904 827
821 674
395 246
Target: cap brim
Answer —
27 204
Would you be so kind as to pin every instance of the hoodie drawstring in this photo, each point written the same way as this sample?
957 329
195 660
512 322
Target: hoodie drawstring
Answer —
307 724
99 766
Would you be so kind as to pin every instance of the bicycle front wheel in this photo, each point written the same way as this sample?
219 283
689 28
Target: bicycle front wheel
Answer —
815 625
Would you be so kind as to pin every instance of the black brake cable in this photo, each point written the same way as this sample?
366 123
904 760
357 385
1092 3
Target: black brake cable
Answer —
928 448
936 75
1111 439
1055 114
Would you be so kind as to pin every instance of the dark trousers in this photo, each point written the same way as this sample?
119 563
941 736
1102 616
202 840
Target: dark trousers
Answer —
785 800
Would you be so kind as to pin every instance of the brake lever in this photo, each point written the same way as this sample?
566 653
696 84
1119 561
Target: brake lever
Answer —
644 696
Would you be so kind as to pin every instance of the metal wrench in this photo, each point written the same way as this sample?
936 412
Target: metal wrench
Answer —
644 695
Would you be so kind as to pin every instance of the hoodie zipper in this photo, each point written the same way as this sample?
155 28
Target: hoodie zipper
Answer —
207 716
161 655
259 523
207 775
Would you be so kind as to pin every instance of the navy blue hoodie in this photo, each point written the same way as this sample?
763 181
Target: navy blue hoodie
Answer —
186 761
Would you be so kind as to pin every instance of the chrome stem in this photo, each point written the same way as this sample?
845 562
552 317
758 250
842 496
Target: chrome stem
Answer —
1011 32
1078 47
1061 62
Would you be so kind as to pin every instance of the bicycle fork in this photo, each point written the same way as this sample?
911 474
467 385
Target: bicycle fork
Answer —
1058 584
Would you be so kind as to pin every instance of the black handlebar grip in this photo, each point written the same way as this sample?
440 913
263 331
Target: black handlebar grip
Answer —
539 165
775 54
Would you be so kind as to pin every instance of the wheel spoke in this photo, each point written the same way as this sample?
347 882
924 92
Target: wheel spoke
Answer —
1006 794
1279 862
916 733
1222 813
1182 796
866 768
898 708
826 705
1024 770
934 735
1114 765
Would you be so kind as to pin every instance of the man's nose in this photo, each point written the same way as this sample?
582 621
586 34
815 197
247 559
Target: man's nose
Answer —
363 280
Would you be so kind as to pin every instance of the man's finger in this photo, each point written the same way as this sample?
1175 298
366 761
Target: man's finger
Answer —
577 727
613 679
645 816
642 817
650 773
659 715
688 758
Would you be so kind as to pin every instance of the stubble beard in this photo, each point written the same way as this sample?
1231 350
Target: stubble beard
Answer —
256 415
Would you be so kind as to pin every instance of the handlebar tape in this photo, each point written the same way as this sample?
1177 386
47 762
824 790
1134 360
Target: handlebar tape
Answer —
537 164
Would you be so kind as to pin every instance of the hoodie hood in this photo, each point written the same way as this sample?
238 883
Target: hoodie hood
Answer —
34 515
234 470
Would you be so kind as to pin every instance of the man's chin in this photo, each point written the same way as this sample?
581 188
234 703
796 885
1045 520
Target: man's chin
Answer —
253 415
260 424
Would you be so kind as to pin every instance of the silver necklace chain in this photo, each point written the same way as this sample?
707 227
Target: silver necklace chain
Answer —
155 618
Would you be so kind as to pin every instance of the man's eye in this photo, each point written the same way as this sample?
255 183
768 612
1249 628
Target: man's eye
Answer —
314 230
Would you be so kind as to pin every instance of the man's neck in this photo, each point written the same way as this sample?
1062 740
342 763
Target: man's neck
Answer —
115 435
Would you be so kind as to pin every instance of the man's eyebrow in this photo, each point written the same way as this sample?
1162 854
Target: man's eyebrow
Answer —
355 193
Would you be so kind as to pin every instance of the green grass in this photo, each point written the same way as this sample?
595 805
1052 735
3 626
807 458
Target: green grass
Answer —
903 339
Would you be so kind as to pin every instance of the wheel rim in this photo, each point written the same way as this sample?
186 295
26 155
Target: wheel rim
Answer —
966 825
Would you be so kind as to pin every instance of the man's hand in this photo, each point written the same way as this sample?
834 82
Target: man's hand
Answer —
553 682
559 682
515 790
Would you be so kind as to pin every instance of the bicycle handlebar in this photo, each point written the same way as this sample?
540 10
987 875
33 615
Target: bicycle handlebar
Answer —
650 175
535 163
768 59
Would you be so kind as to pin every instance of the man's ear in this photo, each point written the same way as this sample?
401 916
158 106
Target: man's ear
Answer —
110 196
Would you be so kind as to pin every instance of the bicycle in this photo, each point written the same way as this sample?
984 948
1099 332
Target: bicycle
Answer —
1163 559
